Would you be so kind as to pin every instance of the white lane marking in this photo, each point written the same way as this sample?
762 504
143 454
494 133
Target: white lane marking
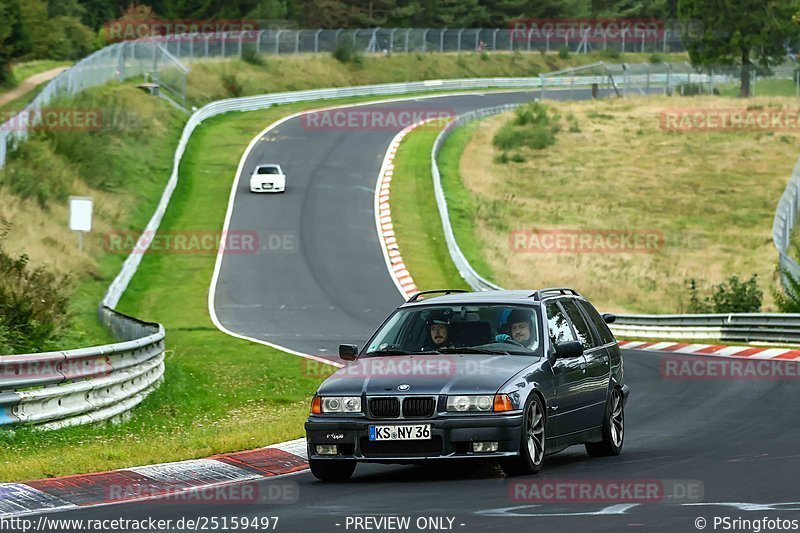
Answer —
630 345
512 512
769 354
660 346
18 499
692 348
295 447
729 351
194 470
746 506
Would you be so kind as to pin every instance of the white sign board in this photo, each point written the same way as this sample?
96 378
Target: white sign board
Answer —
80 213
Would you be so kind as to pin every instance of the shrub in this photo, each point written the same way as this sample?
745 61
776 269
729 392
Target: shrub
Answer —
33 308
232 85
655 57
563 52
531 127
249 55
484 56
788 298
733 296
35 172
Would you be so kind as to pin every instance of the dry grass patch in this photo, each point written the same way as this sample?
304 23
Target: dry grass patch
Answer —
711 195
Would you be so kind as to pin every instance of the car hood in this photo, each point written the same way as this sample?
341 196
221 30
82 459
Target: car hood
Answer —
426 374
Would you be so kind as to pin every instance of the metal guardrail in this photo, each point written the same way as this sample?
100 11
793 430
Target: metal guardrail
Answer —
59 389
783 225
742 327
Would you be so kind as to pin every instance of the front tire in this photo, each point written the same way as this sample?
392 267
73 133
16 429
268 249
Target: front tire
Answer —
532 441
613 428
332 470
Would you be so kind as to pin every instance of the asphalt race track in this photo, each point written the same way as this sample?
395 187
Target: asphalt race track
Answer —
329 283
324 282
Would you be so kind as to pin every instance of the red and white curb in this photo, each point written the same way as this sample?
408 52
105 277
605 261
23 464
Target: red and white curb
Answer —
197 481
713 350
383 217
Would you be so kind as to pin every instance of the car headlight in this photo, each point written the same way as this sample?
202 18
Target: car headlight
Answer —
480 404
336 404
462 404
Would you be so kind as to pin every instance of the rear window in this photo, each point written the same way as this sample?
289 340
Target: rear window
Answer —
599 324
267 170
581 327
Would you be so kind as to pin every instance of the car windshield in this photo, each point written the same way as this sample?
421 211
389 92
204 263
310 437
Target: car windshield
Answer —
475 329
268 170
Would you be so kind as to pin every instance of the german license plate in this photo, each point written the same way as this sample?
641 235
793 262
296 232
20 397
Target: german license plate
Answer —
404 432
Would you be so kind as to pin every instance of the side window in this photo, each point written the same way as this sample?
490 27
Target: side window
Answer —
581 327
599 324
557 324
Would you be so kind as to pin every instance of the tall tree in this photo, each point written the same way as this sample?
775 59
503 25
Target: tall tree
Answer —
743 32
9 21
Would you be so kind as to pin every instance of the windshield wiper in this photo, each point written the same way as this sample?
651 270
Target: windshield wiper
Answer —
396 351
468 349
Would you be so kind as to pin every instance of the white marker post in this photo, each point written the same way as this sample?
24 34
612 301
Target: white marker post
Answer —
80 217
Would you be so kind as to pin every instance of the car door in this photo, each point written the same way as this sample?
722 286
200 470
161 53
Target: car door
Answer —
597 364
568 374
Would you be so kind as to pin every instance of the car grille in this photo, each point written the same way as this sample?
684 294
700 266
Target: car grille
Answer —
406 448
384 407
418 407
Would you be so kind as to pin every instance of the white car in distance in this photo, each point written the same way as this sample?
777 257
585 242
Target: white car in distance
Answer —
268 178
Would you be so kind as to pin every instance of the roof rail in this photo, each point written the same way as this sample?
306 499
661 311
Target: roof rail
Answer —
435 291
540 294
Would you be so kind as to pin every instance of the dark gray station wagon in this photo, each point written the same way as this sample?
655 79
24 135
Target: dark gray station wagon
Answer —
505 375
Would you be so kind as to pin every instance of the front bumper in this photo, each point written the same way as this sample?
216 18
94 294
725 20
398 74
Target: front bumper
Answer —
451 438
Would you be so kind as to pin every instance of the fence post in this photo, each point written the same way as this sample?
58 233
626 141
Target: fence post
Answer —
441 40
425 39
460 31
258 41
278 42
408 31
664 46
494 40
297 41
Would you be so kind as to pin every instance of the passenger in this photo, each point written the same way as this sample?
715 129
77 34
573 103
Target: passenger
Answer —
518 328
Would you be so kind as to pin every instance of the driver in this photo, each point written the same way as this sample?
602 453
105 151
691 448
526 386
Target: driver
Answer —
439 331
518 328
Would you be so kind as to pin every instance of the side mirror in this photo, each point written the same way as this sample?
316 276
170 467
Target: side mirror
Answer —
569 349
348 352
609 318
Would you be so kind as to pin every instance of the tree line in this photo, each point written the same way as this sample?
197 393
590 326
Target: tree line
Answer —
741 32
